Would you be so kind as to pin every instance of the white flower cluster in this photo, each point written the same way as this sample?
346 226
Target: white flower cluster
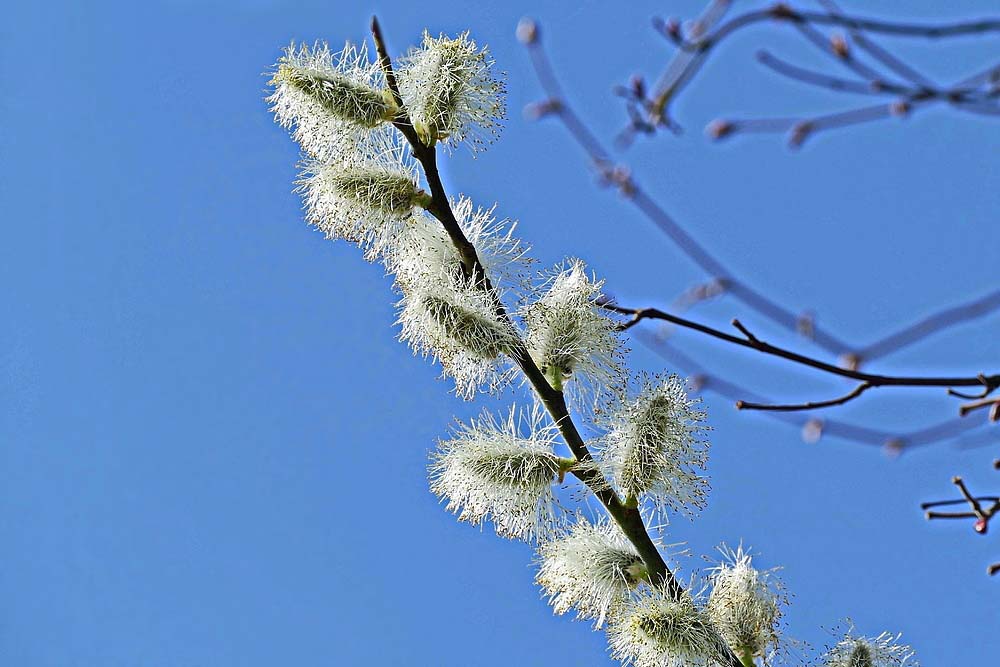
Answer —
591 570
656 630
503 472
574 344
746 604
452 93
330 99
366 199
654 447
361 182
859 651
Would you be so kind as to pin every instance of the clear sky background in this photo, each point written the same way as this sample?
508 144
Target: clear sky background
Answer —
213 450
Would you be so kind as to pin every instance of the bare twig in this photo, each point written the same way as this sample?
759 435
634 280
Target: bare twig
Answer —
812 427
982 515
810 405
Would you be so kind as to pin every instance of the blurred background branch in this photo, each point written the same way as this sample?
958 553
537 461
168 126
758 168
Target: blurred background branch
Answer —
649 111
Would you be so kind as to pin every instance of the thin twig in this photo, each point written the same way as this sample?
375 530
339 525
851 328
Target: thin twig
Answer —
993 403
813 427
810 405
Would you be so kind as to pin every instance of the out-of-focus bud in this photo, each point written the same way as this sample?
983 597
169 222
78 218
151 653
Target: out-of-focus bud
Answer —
720 129
527 30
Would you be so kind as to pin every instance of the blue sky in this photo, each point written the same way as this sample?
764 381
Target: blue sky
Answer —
213 450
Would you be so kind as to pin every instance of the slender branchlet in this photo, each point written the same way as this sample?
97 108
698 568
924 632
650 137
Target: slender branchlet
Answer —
745 604
329 99
654 448
452 93
590 569
656 630
502 471
570 338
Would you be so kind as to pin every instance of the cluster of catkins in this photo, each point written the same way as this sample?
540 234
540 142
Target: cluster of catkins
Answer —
361 183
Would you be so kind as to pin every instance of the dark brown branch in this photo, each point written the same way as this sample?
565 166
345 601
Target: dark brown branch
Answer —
962 501
812 427
810 405
750 341
983 394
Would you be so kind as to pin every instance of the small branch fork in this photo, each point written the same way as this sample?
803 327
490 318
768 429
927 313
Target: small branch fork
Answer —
982 514
725 282
627 517
867 381
908 89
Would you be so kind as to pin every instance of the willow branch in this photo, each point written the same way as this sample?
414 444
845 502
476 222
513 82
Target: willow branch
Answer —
629 519
982 515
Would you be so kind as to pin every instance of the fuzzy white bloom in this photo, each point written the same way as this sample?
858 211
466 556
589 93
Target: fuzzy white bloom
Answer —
366 197
654 447
456 323
451 93
656 631
570 338
591 569
503 472
424 253
330 99
881 651
746 604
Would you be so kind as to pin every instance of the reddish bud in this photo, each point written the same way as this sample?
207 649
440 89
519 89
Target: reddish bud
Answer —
637 86
900 108
720 129
893 448
527 31
982 525
839 47
799 134
673 28
812 431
